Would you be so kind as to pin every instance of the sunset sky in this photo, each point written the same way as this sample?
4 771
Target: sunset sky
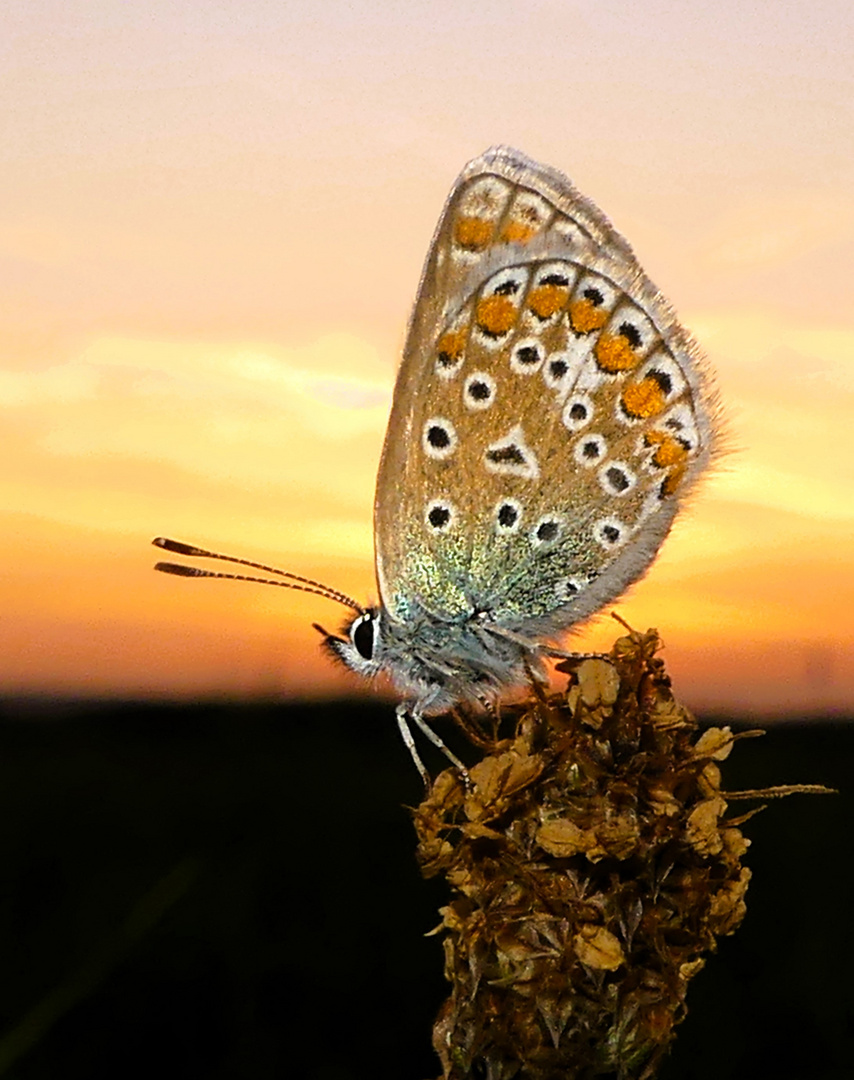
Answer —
212 221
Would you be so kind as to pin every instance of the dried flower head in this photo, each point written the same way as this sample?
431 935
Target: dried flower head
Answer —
592 866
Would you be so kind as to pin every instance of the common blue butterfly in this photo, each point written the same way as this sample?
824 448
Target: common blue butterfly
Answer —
550 415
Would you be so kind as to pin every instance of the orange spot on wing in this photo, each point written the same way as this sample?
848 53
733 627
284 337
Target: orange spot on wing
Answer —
669 450
450 347
585 316
644 399
545 300
473 233
614 353
517 232
496 315
672 481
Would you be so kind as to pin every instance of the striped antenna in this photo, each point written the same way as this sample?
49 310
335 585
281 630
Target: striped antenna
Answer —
296 581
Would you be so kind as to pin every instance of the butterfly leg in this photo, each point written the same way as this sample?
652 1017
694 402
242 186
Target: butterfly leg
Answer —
494 714
531 645
475 729
406 734
436 741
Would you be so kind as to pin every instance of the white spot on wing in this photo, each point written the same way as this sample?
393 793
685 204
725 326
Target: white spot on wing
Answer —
547 531
558 373
511 456
663 362
513 526
626 314
610 532
527 356
439 515
439 439
577 412
616 478
567 589
590 450
479 390
591 283
680 423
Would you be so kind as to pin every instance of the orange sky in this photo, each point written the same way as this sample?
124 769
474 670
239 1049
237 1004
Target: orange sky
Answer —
212 222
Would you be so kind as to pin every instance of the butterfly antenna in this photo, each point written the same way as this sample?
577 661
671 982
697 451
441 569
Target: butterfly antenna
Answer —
295 581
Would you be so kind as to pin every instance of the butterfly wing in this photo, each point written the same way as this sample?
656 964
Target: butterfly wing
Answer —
549 413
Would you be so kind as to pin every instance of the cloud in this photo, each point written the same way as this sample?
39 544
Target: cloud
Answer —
64 383
775 229
179 401
228 441
788 394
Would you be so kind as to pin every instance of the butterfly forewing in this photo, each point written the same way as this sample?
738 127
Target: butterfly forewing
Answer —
549 412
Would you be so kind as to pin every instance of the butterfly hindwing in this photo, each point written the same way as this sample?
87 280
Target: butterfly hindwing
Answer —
549 412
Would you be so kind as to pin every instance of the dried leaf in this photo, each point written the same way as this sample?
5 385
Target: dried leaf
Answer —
598 682
714 743
563 838
735 843
618 835
667 715
476 829
689 969
556 1012
498 776
598 948
727 907
701 830
662 800
709 780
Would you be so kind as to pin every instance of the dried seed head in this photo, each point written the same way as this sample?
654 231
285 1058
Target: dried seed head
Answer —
591 867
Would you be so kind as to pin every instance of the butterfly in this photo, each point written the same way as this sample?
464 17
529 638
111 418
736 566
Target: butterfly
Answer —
549 417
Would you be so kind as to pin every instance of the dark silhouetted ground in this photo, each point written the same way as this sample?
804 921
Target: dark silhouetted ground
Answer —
226 891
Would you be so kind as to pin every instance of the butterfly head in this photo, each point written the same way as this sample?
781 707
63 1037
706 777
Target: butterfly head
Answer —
360 643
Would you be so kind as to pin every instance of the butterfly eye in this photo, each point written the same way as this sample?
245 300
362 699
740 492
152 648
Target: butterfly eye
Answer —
362 636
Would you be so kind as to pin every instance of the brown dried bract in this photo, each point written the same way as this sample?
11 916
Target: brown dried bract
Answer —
592 866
